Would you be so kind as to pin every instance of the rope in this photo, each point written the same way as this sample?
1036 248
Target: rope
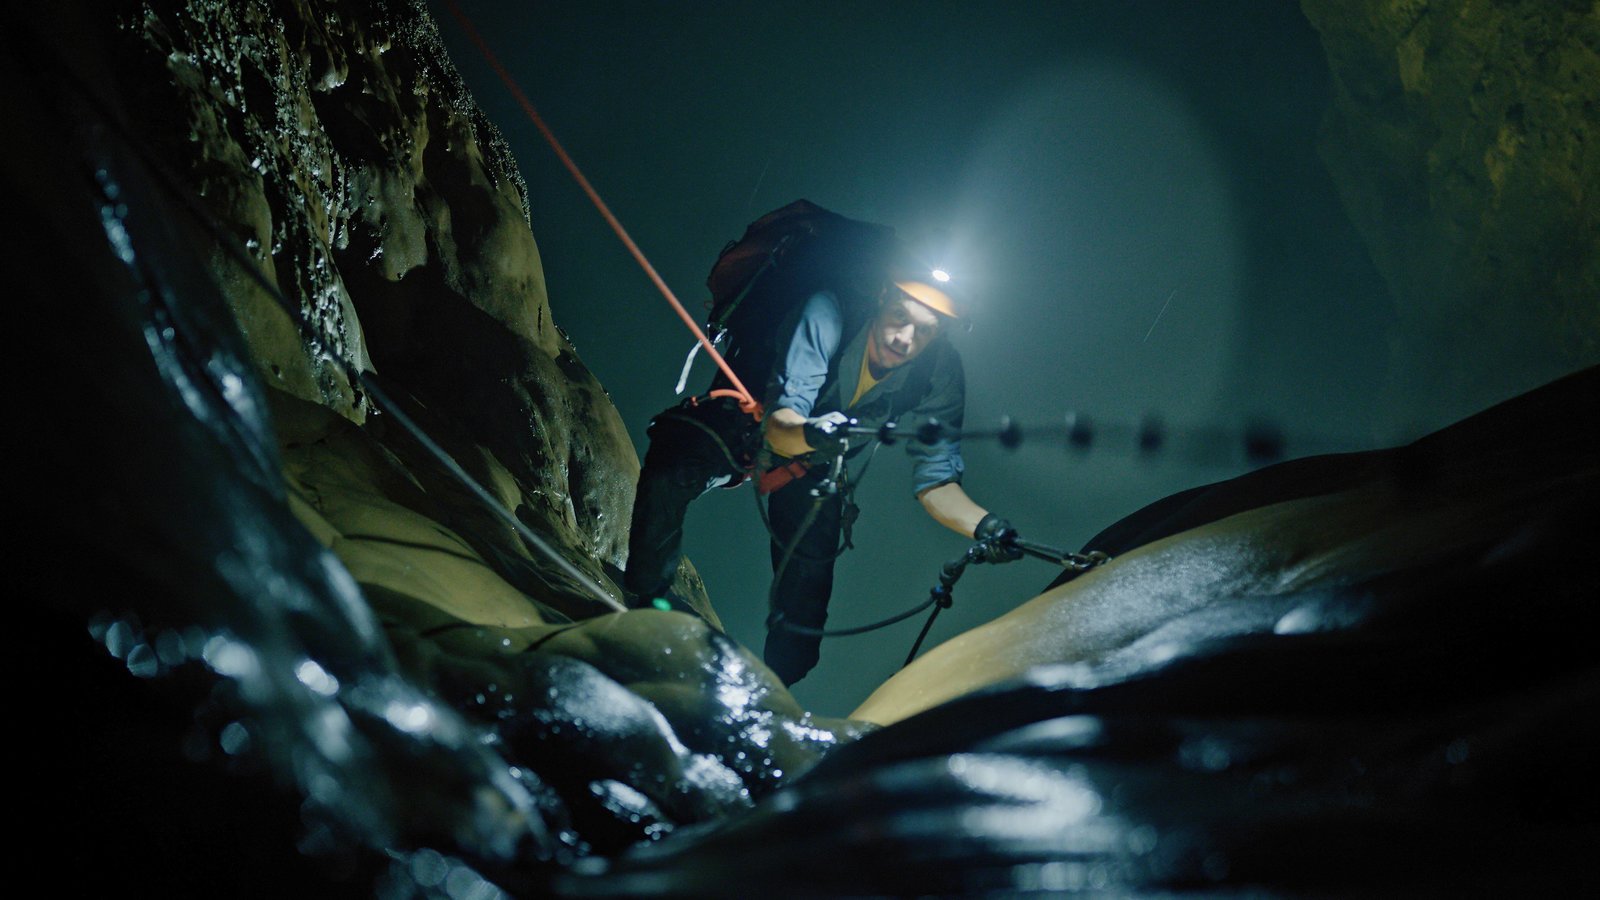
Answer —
747 401
777 618
859 629
318 344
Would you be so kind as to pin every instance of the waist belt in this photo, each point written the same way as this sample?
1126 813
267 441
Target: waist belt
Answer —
773 479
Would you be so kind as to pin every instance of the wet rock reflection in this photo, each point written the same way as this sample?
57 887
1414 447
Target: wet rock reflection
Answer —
310 657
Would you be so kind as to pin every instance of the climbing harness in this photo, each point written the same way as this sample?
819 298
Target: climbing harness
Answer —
319 345
746 465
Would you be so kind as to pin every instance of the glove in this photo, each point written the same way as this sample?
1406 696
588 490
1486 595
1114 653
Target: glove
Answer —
996 534
826 434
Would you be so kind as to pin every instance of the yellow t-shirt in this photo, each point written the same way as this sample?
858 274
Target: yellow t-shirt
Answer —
864 383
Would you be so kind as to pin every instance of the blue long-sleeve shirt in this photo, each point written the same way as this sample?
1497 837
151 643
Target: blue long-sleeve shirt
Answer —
817 376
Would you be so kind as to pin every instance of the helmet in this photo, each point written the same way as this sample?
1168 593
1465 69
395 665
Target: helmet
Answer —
931 288
929 296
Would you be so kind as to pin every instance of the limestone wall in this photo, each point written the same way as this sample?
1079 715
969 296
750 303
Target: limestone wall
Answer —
1464 137
338 143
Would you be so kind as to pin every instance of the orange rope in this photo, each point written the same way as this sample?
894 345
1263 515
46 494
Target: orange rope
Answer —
747 402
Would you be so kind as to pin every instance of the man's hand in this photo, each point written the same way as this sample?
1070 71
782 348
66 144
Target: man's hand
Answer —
826 433
997 536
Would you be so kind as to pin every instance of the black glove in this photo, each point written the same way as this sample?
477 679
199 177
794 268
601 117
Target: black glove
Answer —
997 536
826 436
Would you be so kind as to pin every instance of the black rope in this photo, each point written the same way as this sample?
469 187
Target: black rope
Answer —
774 615
916 645
777 618
859 629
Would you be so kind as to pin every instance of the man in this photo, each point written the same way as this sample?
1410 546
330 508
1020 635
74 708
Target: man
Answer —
899 367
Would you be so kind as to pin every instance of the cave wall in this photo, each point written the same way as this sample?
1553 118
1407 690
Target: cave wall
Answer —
119 449
419 686
340 146
1464 137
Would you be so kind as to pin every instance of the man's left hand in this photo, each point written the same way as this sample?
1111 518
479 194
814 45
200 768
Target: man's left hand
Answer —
998 539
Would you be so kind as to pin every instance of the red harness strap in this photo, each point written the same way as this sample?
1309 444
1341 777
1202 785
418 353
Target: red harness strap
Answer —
773 479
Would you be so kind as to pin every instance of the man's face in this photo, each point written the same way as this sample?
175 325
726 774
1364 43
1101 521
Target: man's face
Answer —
904 328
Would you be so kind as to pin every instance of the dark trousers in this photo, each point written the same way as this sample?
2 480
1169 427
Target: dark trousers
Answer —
806 582
684 462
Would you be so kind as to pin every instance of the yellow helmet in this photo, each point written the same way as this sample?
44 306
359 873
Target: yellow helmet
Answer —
924 291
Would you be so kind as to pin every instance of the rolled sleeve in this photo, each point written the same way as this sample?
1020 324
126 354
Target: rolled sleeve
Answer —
940 462
936 464
805 364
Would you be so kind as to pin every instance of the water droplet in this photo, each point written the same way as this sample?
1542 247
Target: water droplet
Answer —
142 661
316 678
99 624
429 867
235 738
120 639
464 884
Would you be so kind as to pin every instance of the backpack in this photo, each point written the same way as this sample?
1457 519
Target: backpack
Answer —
760 281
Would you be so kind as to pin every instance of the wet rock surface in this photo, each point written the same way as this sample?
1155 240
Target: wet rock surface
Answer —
340 146
1399 696
352 634
291 654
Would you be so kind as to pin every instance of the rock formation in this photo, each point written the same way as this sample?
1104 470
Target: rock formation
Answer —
313 657
1464 138
210 161
342 148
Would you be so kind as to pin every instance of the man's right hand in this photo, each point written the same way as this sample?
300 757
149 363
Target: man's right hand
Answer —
826 433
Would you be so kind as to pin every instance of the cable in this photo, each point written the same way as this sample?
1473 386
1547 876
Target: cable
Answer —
859 629
778 619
